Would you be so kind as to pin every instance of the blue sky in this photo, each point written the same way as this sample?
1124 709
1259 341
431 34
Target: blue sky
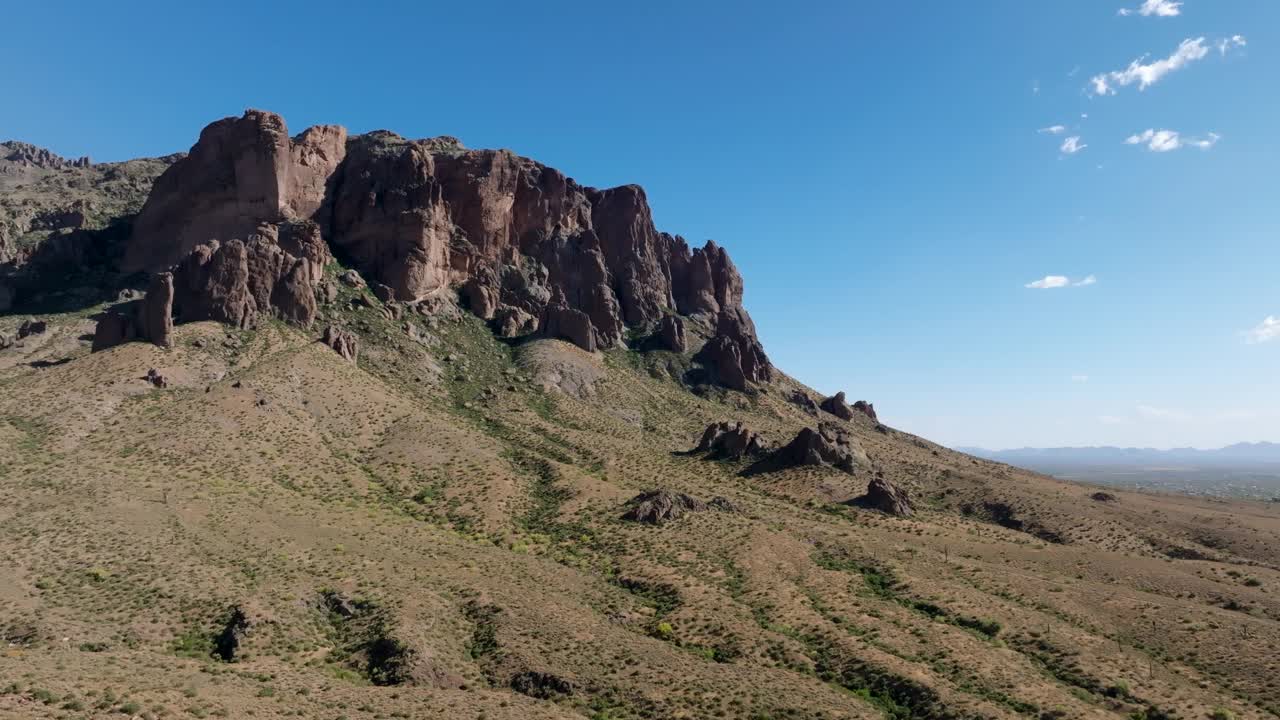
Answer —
887 175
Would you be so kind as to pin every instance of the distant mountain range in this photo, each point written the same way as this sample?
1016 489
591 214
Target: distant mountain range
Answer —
1261 453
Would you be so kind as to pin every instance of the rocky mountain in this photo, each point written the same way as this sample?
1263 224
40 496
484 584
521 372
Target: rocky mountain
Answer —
365 427
64 223
247 221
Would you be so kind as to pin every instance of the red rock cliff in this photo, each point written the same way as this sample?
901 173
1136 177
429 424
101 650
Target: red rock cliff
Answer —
525 245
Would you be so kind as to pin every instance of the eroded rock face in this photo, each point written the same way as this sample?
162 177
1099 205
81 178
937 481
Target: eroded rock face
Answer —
671 330
528 247
731 441
156 312
241 173
237 281
886 497
828 445
343 342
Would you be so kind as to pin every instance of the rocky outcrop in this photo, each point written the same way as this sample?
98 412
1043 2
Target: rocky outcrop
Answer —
671 331
659 506
801 399
342 342
735 354
33 156
886 497
826 446
148 319
837 406
866 408
156 311
730 441
237 281
241 173
1104 497
527 247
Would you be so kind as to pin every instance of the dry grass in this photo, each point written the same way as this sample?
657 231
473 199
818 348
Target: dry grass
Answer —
452 485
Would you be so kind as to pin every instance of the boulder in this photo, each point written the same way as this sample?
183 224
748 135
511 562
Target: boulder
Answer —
659 506
886 497
513 322
149 318
564 322
730 441
801 399
826 446
1104 497
352 279
723 504
342 342
837 406
155 378
114 328
32 326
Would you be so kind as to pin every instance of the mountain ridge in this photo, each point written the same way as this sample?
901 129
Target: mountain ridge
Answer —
1267 452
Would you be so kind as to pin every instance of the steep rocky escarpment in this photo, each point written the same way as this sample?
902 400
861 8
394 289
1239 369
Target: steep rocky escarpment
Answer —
527 247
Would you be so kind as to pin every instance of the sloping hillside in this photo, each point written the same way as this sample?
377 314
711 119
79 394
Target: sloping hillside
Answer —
406 430
436 531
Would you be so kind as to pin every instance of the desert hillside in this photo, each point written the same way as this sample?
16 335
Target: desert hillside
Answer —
367 427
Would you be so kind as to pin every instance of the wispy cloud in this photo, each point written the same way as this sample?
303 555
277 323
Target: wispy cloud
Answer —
1266 331
1072 145
1169 140
1159 8
1235 41
1053 130
1050 282
1147 74
1147 412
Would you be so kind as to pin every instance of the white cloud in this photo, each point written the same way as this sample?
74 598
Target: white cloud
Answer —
1053 129
1235 41
1267 330
1169 140
1148 412
1050 282
1072 145
1148 74
1079 378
